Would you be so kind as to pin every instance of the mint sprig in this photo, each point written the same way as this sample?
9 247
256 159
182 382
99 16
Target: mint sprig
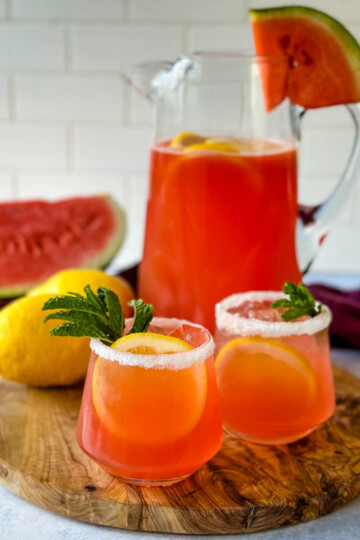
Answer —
95 315
143 316
299 304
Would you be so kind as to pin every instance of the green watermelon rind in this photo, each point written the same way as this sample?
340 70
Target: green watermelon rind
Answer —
104 258
100 261
338 31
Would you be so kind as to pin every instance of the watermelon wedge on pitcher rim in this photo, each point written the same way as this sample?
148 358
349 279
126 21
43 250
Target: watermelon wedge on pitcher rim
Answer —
39 238
323 66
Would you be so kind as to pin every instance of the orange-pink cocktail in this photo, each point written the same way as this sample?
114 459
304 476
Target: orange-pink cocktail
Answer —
150 412
274 377
218 221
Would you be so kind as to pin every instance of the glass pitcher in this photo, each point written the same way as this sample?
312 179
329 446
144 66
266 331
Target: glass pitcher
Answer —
223 215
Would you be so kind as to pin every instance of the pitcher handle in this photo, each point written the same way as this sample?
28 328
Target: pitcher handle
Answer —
314 222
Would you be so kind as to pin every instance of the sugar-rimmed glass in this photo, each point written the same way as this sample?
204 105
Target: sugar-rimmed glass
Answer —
274 377
152 419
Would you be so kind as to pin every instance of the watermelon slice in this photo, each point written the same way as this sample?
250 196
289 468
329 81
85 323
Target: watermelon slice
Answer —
38 238
323 65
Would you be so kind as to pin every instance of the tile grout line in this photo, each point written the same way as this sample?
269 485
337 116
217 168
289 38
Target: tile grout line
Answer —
70 147
355 222
8 10
185 39
130 22
68 48
127 10
354 203
127 104
15 185
12 98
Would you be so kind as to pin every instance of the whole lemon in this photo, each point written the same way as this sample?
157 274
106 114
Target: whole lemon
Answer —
30 355
75 279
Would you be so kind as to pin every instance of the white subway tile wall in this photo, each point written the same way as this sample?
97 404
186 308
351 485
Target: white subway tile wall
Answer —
115 48
324 150
111 148
4 98
140 109
69 9
226 38
31 46
69 124
69 98
188 10
6 186
54 184
29 146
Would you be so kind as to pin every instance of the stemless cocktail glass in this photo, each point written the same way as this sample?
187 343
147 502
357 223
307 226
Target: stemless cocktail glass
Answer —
274 377
152 419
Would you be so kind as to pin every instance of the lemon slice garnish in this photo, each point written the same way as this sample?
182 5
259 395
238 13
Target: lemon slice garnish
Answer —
150 343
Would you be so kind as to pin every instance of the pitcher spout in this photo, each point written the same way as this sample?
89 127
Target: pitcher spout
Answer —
151 78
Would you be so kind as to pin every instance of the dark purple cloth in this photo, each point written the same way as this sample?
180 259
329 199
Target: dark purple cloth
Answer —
345 307
131 275
4 301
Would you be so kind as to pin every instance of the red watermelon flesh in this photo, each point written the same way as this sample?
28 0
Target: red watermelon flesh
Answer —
39 238
323 65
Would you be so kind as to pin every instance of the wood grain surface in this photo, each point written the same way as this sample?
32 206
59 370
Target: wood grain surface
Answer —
244 488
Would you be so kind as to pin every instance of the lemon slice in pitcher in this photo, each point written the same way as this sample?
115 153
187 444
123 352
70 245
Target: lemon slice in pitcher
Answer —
210 146
185 139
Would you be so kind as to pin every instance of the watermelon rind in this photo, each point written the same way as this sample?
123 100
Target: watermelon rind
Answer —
105 257
100 261
331 25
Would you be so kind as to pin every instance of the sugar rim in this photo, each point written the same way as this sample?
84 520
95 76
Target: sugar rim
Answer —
181 360
232 323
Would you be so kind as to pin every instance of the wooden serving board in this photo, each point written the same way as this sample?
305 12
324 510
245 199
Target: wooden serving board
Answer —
244 488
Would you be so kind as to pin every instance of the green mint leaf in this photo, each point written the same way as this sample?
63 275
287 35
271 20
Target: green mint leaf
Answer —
282 303
78 330
289 288
94 300
95 315
305 295
143 316
116 316
293 313
88 323
71 301
300 302
101 296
